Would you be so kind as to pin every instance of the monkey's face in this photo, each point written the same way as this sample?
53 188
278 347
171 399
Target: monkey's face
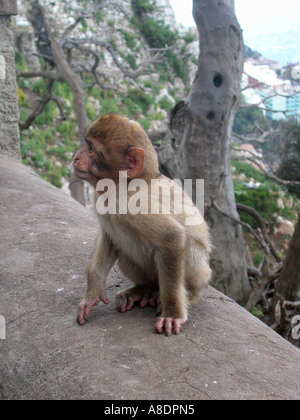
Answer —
113 144
93 163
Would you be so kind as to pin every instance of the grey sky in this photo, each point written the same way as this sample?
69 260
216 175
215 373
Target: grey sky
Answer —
250 13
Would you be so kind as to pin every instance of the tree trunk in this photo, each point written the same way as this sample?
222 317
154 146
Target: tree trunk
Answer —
288 285
67 75
201 133
9 112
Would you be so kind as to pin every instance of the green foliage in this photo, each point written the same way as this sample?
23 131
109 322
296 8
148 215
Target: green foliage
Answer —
48 116
258 258
165 103
99 16
142 7
40 87
189 38
246 118
129 39
91 112
131 60
262 199
256 312
22 98
20 62
138 101
248 170
290 164
63 90
157 35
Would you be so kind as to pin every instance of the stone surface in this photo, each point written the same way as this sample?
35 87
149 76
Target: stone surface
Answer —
8 7
9 111
46 239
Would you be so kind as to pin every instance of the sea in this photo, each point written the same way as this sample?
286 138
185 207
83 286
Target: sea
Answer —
279 42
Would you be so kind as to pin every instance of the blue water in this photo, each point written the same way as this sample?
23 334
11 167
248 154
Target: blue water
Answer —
279 42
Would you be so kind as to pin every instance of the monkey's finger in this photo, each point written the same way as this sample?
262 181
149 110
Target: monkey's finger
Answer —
144 301
80 316
152 302
168 326
130 303
121 301
105 300
176 326
87 312
159 310
178 323
159 326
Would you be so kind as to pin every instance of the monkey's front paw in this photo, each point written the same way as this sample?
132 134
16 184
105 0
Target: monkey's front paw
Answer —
86 306
169 324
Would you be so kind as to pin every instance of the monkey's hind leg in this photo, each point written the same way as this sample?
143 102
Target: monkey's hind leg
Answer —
143 291
126 299
198 274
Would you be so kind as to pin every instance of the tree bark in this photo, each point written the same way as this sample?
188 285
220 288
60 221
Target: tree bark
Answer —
201 131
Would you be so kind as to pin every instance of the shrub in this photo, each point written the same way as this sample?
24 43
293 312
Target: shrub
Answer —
262 199
290 168
166 104
248 170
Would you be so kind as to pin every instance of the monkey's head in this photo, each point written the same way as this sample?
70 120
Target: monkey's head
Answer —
114 144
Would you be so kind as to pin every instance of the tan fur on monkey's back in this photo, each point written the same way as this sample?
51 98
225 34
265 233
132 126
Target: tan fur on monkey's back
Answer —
165 228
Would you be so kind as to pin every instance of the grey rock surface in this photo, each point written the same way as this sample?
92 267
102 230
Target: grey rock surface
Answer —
46 239
9 112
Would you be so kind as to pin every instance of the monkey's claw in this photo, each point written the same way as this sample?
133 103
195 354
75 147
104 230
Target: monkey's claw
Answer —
169 325
86 307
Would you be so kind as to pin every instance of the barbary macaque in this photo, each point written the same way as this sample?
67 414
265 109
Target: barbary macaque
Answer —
166 258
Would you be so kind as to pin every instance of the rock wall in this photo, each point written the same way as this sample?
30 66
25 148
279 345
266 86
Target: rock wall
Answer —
9 112
46 240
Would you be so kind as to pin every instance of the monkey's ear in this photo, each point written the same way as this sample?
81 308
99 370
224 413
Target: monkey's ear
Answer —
135 159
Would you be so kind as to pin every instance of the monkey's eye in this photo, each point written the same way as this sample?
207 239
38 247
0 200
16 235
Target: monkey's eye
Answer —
90 146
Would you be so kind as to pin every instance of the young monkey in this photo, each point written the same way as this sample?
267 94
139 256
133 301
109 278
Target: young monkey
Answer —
167 260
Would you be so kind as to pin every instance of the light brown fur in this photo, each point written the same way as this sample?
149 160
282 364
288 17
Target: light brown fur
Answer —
157 252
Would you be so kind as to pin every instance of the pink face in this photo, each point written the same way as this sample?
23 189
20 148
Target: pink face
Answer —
95 162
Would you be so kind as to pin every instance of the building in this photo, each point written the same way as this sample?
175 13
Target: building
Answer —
261 81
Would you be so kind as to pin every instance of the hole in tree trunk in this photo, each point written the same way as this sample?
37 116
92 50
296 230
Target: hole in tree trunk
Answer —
211 116
218 80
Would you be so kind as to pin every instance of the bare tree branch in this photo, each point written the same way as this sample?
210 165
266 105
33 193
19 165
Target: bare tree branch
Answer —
51 75
259 164
259 239
263 226
41 106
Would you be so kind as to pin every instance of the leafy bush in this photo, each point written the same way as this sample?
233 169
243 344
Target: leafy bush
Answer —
22 98
290 167
158 35
262 199
50 113
247 118
248 170
141 7
129 39
189 38
166 104
131 60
